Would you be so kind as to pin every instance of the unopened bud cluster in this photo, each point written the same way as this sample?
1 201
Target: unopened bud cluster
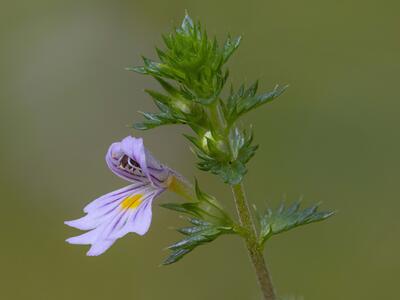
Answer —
192 73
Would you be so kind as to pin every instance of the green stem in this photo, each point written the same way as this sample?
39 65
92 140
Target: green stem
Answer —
246 221
255 251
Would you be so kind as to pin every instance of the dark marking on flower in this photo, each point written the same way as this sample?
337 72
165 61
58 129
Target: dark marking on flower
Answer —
130 165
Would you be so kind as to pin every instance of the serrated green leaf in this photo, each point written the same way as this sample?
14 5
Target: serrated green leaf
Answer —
154 120
142 126
159 97
176 256
174 206
199 222
194 237
208 221
187 24
230 46
162 107
169 88
192 229
285 218
190 242
245 100
250 103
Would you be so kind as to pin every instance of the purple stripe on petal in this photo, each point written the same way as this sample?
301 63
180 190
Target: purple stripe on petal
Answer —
123 225
117 228
110 197
141 222
104 208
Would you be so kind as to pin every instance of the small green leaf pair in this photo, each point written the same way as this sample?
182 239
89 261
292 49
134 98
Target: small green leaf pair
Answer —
209 220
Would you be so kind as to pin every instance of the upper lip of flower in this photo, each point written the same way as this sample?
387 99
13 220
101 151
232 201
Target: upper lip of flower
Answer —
130 160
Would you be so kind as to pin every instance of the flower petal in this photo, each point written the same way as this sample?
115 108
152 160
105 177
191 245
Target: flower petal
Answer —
142 220
113 163
114 215
100 247
134 148
105 207
137 221
148 168
110 197
87 238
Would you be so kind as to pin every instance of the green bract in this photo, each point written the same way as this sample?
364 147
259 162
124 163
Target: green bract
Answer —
245 100
208 221
193 61
192 74
211 152
285 218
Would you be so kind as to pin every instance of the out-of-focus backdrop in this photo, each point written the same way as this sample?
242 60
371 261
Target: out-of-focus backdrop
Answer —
333 137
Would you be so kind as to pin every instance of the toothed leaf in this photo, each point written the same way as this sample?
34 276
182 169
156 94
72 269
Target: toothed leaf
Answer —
285 218
208 220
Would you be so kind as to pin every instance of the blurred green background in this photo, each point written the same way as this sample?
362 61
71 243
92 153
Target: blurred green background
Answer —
333 137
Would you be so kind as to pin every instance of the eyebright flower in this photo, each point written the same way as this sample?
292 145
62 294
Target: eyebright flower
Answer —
113 215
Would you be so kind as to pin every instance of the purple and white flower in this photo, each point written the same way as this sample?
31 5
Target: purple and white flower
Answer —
114 215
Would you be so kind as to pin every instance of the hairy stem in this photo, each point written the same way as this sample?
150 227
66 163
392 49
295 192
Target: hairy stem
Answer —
255 252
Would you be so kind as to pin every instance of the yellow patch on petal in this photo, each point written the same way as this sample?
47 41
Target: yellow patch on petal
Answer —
132 201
